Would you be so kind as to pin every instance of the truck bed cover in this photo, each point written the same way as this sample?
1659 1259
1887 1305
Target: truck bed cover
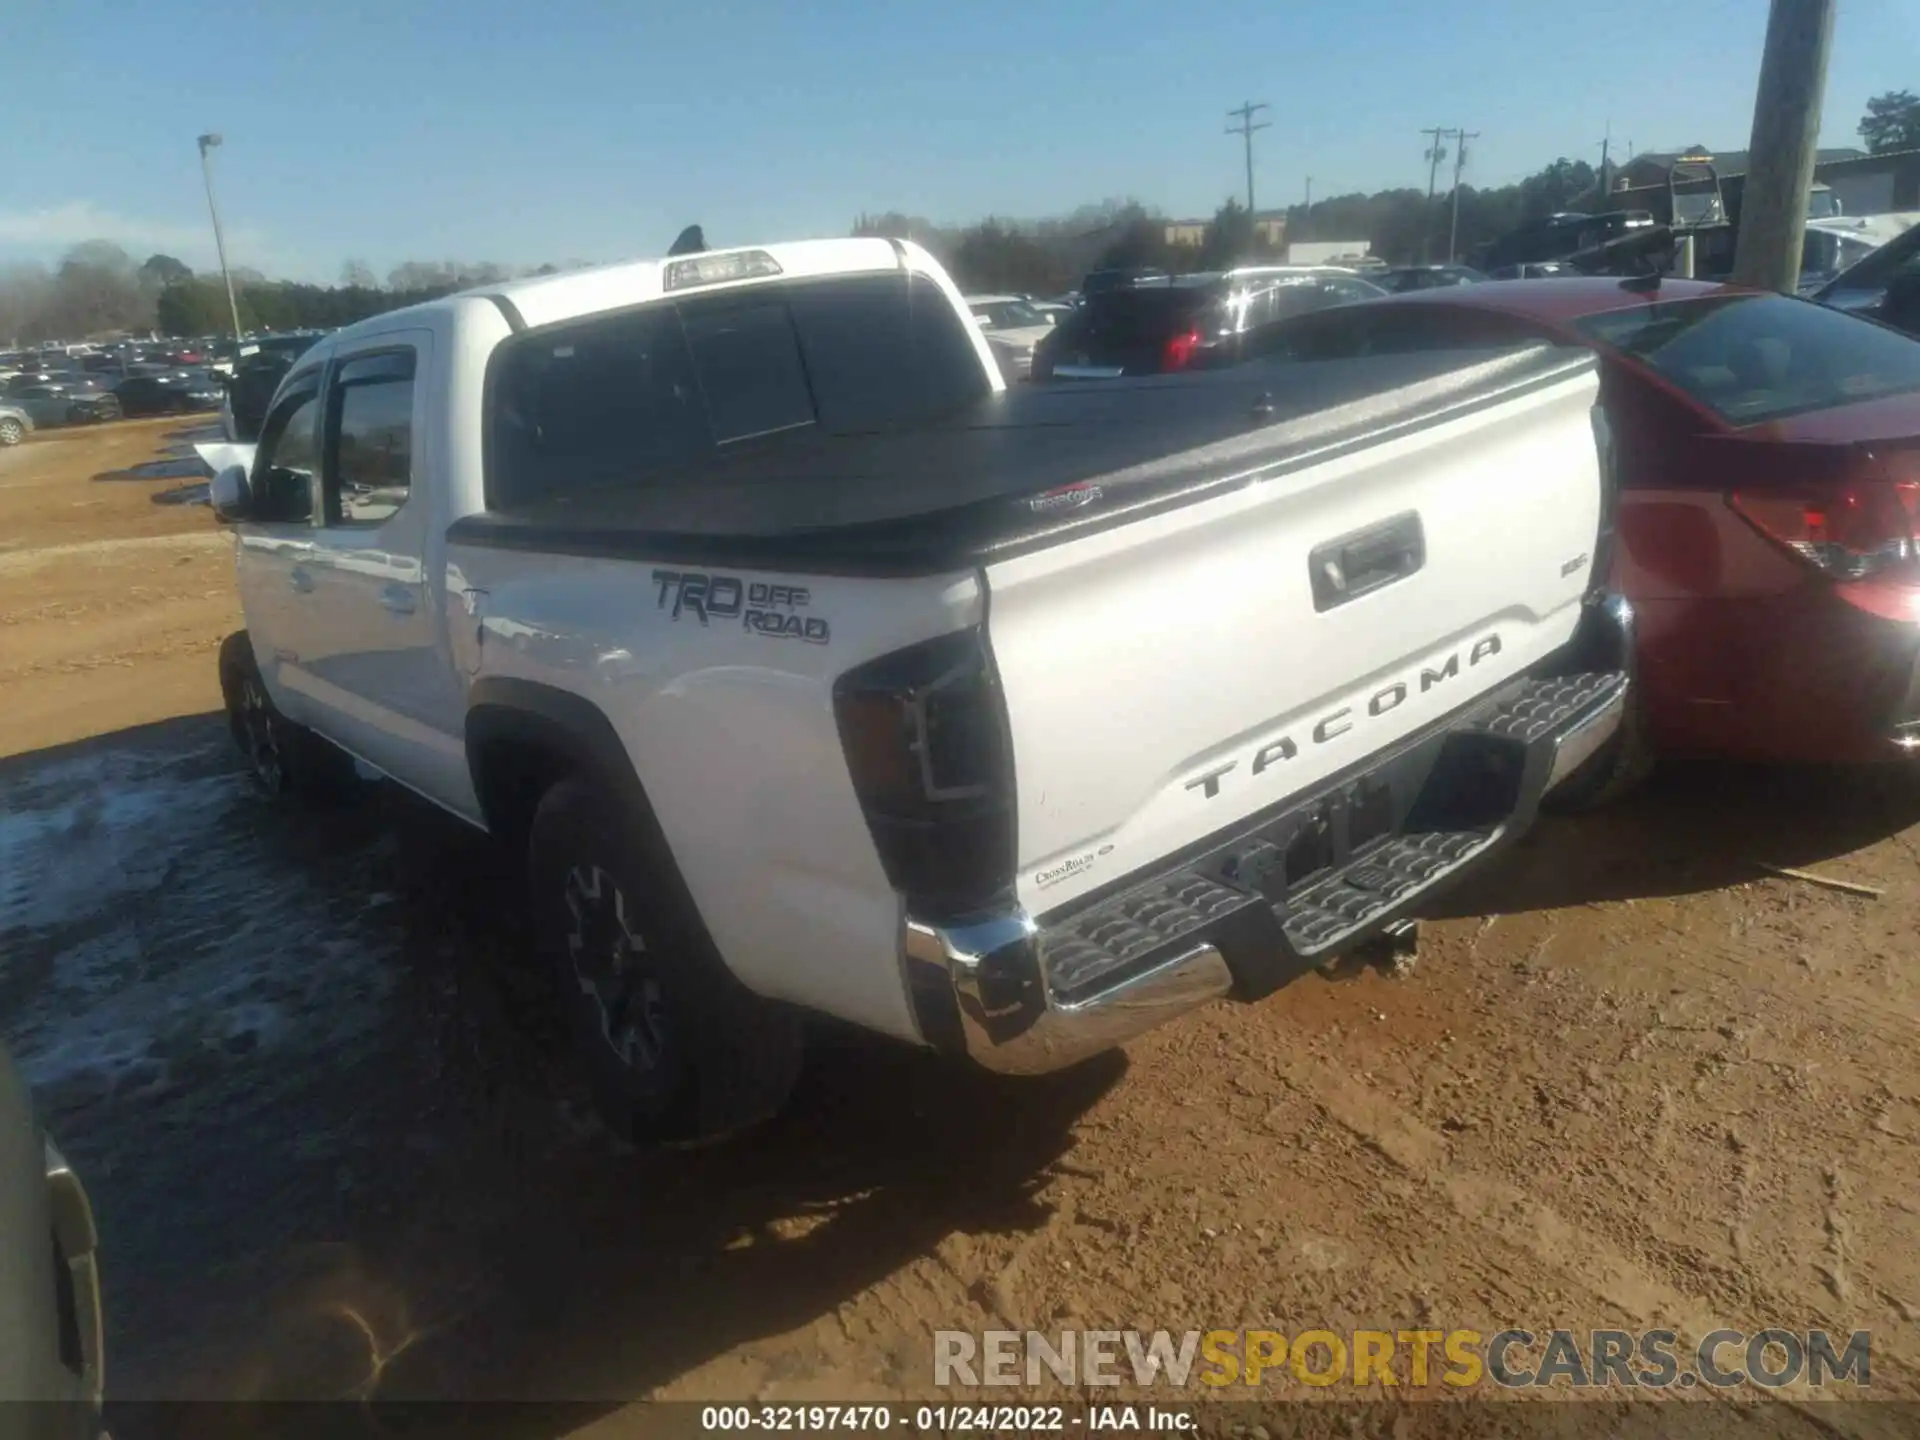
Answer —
980 485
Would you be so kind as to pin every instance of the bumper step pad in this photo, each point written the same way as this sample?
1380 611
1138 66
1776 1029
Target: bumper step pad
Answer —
1544 706
1332 908
1138 930
1135 931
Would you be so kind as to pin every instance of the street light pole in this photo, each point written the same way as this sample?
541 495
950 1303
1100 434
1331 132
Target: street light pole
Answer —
207 142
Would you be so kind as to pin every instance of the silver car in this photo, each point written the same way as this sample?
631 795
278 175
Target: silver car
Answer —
15 424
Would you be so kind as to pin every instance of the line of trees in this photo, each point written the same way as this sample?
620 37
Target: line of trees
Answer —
97 289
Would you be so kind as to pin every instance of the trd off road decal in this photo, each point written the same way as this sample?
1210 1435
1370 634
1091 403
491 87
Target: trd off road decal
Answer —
760 607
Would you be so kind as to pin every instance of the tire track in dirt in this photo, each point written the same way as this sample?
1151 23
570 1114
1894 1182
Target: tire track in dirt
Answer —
1572 1252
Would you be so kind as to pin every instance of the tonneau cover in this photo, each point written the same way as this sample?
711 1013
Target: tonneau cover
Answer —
978 486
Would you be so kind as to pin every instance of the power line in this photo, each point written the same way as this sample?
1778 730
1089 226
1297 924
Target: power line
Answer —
1245 130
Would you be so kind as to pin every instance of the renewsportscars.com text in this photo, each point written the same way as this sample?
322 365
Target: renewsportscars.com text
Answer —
1512 1359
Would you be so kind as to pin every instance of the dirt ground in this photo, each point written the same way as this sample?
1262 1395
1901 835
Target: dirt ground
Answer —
1631 1080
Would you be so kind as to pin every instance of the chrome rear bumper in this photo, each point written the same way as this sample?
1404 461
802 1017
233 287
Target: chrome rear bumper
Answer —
1021 995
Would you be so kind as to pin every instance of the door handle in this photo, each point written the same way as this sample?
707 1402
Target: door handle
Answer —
300 579
397 599
1365 560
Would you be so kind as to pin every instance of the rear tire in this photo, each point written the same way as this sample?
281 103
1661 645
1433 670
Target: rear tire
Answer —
12 432
676 1049
282 757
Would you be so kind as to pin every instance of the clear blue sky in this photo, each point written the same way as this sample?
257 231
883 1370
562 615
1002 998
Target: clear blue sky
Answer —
482 130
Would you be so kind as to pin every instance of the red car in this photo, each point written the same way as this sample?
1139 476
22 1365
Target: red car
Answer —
1768 457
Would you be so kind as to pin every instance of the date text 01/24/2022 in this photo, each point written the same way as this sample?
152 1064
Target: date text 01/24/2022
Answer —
945 1419
763 608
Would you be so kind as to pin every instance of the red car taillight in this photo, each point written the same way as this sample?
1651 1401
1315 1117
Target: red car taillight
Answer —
924 731
1849 530
1179 351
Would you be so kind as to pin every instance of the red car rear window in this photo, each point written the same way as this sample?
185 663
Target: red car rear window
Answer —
1751 358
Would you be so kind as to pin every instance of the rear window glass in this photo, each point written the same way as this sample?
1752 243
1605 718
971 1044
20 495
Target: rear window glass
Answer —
751 375
1751 358
652 395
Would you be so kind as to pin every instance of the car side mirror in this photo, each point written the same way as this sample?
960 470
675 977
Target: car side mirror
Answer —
1901 308
231 492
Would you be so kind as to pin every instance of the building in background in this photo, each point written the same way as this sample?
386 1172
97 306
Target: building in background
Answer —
1331 252
1858 183
1269 230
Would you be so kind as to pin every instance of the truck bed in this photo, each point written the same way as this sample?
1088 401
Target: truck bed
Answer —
979 486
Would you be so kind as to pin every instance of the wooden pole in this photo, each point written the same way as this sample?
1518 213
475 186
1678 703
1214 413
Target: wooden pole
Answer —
1781 154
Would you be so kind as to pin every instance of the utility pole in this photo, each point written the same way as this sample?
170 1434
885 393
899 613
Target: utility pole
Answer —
1605 141
1460 138
208 142
1781 154
1245 130
1436 152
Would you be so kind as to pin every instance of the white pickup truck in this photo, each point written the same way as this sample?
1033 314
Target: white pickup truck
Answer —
813 670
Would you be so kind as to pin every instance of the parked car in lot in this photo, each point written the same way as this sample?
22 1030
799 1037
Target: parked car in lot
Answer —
812 668
1884 286
176 393
1425 277
52 1355
15 423
1194 323
1533 270
53 405
1013 326
1122 278
1768 453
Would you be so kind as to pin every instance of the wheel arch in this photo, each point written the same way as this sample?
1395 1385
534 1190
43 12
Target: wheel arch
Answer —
522 737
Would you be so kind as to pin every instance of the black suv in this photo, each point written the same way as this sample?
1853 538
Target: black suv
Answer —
1196 322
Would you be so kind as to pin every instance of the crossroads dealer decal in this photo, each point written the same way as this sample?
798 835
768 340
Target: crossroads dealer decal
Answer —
762 608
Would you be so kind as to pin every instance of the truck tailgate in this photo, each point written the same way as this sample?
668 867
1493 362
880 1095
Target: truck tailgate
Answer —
1170 676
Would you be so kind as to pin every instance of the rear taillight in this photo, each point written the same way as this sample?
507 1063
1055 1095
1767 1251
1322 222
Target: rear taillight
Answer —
1850 530
1179 350
925 735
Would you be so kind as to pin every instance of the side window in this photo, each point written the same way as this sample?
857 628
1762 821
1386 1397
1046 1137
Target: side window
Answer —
369 442
288 457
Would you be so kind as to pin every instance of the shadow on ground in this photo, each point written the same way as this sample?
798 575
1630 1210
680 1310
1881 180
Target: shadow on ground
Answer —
338 1148
1695 827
